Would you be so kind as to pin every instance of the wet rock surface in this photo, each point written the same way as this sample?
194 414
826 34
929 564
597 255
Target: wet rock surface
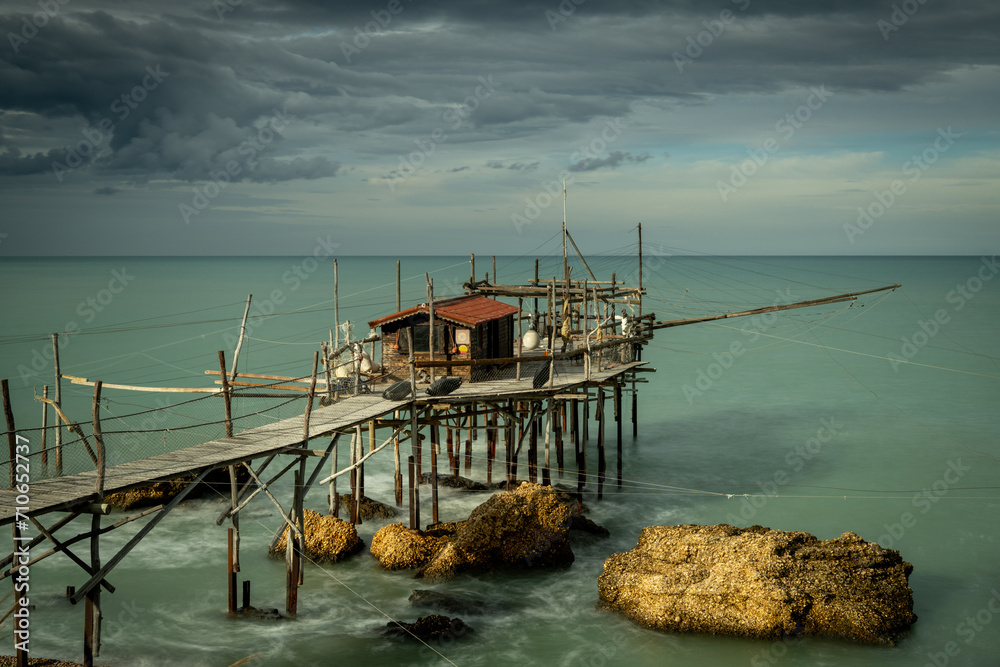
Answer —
328 539
758 582
433 628
523 529
450 603
398 548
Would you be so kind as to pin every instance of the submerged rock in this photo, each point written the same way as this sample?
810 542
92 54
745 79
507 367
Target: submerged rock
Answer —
522 529
398 548
255 614
758 582
328 539
368 509
430 628
449 602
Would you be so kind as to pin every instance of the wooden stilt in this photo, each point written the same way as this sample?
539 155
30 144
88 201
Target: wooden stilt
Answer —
618 428
452 455
411 467
58 400
356 453
533 450
232 573
635 409
546 479
586 419
45 429
469 409
334 497
434 472
601 463
558 426
512 422
291 557
490 447
397 474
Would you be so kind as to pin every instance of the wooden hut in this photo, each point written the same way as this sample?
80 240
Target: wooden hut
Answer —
467 327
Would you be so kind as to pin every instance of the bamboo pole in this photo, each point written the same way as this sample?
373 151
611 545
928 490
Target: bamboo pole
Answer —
618 427
430 310
239 343
45 430
226 394
336 307
546 477
398 294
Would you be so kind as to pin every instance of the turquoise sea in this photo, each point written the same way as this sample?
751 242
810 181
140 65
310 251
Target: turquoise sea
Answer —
879 418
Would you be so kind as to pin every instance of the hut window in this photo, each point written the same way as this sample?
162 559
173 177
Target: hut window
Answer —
421 335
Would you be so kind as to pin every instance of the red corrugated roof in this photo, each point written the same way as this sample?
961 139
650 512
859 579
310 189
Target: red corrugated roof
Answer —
465 310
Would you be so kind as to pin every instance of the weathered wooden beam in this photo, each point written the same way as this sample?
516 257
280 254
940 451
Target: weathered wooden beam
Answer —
131 544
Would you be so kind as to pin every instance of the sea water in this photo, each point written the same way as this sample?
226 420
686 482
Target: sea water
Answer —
877 417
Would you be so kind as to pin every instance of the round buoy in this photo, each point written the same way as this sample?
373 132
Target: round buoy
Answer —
530 340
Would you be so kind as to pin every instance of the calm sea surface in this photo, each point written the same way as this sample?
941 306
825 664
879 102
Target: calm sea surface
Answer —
880 418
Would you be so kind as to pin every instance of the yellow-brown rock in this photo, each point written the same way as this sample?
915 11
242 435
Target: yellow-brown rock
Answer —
522 529
758 582
328 539
398 548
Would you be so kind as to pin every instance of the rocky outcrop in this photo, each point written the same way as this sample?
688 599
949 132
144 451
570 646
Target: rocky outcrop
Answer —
522 529
430 628
758 582
163 492
367 508
398 548
328 539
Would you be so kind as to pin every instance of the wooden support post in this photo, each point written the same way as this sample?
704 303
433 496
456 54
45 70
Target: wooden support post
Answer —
434 472
533 450
58 400
452 454
558 427
336 307
449 435
430 313
232 571
225 394
495 281
635 409
601 463
586 420
491 434
99 440
398 307
356 449
513 420
292 552
618 428
469 409
411 466
397 473
546 477
334 498
472 271
92 605
246 594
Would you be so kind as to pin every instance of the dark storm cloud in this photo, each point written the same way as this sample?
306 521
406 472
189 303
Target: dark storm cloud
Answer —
212 75
613 160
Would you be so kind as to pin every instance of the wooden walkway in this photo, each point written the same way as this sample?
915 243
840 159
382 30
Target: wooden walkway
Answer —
62 493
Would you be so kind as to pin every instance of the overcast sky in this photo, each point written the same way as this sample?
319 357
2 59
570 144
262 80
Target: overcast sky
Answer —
445 126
